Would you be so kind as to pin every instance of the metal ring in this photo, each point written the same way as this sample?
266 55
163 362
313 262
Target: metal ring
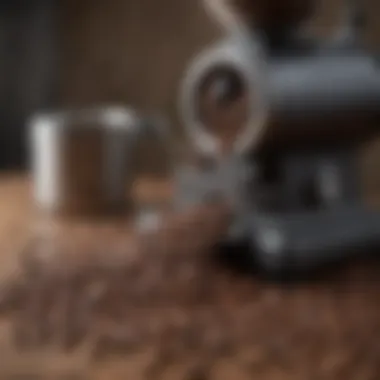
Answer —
243 55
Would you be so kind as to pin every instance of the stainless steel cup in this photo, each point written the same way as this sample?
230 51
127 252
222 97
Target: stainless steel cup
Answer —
81 161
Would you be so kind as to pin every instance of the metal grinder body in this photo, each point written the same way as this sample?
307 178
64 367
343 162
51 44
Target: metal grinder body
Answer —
311 104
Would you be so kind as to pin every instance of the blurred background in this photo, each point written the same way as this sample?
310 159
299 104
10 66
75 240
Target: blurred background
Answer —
74 53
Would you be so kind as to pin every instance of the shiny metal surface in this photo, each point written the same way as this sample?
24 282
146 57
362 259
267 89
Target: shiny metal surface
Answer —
241 60
80 159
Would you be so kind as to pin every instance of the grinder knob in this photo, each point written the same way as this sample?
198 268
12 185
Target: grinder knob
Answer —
223 102
223 105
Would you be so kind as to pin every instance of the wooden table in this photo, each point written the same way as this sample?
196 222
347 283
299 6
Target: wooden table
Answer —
202 321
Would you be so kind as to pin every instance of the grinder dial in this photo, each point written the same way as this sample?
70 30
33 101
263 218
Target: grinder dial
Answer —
223 97
222 102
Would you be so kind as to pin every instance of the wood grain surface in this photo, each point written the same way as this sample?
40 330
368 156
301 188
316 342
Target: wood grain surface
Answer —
96 300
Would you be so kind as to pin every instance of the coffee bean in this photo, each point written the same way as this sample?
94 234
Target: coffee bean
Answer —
12 297
116 341
198 372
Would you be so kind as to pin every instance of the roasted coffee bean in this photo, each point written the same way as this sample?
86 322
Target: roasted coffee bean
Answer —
31 328
71 376
117 341
12 297
22 376
191 338
199 371
154 371
20 333
217 342
161 361
71 314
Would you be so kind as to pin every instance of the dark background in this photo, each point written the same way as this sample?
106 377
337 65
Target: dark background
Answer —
74 53
28 70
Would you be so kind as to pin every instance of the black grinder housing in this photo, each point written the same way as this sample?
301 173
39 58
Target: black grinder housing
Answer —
297 109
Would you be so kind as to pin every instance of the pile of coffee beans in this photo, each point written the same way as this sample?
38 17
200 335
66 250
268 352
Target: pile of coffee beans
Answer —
125 294
77 278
